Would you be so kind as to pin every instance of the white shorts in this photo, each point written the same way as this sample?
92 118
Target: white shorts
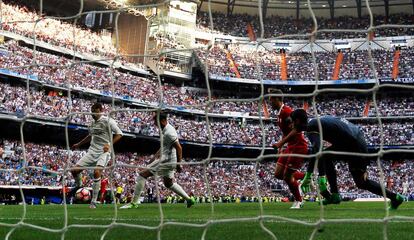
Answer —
94 159
162 170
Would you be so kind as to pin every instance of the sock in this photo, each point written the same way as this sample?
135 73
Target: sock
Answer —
179 190
294 189
323 183
375 187
96 186
298 175
139 186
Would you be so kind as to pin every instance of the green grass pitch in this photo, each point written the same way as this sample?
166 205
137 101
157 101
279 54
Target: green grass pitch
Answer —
52 216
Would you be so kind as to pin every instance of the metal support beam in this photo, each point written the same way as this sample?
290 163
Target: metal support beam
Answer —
387 10
297 9
413 5
331 4
230 7
359 8
199 5
264 8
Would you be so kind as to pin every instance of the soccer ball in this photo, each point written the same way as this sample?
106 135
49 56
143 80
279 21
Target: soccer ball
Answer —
83 195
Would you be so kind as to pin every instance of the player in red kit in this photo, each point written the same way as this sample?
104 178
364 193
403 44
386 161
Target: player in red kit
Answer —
104 184
287 167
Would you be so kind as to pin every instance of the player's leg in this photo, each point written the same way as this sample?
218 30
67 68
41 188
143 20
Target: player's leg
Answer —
323 162
103 195
359 173
77 176
175 187
294 188
101 162
96 185
299 175
293 164
282 173
331 175
332 197
281 167
85 161
167 172
139 187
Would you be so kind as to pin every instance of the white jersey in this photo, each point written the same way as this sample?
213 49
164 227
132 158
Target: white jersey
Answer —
100 134
169 153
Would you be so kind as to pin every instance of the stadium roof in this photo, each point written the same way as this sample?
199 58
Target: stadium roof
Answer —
293 8
297 8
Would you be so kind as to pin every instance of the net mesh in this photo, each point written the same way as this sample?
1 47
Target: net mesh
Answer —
262 218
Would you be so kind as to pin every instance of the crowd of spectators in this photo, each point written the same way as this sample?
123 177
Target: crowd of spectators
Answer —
225 178
59 71
53 105
275 26
265 64
26 22
45 165
21 20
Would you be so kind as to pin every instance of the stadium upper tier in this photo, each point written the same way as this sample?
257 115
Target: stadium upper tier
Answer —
225 178
276 26
50 105
20 19
60 72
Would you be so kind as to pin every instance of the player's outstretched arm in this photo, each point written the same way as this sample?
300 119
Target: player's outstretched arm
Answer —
179 149
87 139
117 133
286 139
115 139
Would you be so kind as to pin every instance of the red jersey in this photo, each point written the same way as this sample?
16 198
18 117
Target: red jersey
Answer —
284 121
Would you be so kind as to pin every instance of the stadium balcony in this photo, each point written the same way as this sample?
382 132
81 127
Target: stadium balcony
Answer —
226 140
354 68
136 90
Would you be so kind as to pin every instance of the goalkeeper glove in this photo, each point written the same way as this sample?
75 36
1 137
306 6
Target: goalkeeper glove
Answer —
306 183
323 184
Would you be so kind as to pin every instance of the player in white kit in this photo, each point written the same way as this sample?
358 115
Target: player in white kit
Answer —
98 155
164 165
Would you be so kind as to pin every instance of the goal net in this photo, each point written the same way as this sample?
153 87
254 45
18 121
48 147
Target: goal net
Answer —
66 68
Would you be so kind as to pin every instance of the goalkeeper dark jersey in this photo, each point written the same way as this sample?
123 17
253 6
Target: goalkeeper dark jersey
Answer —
338 132
341 134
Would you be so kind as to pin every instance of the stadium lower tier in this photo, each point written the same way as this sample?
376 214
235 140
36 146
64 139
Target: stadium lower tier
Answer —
44 166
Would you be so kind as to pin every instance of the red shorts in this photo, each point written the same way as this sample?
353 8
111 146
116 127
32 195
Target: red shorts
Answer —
291 162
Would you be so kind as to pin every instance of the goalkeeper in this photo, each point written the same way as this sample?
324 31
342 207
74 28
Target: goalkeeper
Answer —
342 136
